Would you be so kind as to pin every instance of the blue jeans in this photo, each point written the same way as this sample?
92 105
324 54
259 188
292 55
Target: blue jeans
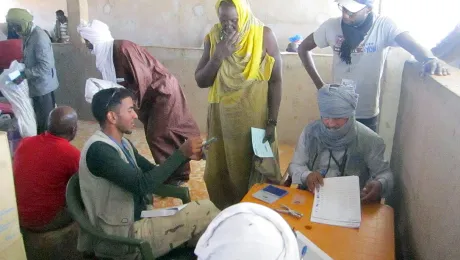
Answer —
372 122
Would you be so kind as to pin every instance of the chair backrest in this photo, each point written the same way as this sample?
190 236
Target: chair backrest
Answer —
76 209
75 204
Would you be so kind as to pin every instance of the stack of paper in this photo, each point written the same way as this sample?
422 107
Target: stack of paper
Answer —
308 250
163 212
338 202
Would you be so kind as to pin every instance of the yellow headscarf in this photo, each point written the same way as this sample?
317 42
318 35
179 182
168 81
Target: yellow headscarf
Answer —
251 32
244 66
22 17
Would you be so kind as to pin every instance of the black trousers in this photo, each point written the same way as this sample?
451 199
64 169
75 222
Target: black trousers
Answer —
42 107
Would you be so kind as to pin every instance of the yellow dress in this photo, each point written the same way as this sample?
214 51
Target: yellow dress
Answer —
238 100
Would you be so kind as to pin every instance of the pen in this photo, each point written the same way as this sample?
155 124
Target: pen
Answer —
304 252
304 248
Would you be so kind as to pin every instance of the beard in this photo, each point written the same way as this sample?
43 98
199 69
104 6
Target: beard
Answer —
124 130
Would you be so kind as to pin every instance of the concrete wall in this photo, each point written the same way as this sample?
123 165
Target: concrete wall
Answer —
389 95
179 23
74 66
44 11
298 106
426 161
189 21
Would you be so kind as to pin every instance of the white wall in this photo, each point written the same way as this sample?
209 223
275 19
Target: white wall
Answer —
184 23
298 105
44 11
427 21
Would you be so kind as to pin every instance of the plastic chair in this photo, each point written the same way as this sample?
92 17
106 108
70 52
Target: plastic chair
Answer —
77 211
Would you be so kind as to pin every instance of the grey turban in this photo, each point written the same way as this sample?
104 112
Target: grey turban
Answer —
337 101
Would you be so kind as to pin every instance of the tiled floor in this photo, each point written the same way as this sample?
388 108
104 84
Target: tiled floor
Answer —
196 184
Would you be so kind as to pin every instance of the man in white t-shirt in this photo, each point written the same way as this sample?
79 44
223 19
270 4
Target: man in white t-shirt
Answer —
359 40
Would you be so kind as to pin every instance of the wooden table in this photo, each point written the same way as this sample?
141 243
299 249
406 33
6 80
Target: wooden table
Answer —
373 240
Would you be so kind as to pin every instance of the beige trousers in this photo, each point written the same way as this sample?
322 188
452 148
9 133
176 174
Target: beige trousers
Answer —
167 233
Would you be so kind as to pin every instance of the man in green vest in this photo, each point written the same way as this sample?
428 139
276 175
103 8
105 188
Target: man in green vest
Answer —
115 178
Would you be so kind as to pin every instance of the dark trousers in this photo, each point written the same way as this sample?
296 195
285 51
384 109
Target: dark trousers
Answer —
61 220
42 107
372 123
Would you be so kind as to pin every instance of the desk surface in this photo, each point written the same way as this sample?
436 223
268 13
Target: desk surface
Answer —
373 240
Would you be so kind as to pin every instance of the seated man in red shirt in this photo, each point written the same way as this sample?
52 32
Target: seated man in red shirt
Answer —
42 166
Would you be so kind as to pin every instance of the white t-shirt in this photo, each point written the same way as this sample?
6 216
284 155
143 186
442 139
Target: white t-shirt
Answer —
3 31
367 59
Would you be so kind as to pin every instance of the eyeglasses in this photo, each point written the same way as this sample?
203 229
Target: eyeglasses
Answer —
117 90
346 11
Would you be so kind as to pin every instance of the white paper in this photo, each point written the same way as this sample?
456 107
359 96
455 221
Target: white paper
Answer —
262 150
14 75
338 202
164 212
308 250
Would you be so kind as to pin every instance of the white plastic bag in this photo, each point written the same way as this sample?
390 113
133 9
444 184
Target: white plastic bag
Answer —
95 85
18 96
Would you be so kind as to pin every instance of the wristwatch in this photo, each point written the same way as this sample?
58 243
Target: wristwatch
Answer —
272 122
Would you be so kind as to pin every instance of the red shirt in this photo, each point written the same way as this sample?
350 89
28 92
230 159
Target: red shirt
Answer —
10 50
42 166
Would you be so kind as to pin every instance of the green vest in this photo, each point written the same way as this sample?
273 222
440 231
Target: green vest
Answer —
109 207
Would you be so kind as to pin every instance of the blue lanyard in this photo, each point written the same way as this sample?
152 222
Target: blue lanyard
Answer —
125 151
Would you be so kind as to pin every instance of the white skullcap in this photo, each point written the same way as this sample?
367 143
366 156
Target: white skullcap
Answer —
248 231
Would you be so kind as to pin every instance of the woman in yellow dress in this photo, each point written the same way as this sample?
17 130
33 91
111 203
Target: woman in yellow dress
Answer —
241 65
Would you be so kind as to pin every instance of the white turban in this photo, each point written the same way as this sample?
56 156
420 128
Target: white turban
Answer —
99 35
248 231
95 85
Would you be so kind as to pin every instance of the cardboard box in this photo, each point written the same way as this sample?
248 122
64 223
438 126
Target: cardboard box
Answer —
11 243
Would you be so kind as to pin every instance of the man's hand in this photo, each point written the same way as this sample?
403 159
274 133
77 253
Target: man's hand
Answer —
227 46
269 134
191 148
371 192
435 67
314 180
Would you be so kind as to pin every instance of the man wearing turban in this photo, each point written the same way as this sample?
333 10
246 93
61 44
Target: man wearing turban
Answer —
338 145
163 108
359 40
38 59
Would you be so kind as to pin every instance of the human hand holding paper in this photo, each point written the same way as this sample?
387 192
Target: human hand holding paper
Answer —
261 149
